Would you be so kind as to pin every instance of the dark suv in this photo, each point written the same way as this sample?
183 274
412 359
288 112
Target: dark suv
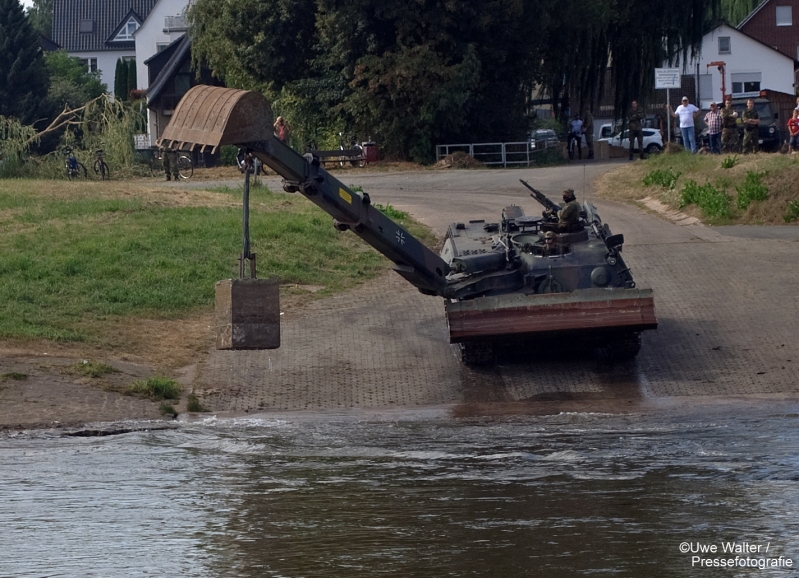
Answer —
769 136
769 133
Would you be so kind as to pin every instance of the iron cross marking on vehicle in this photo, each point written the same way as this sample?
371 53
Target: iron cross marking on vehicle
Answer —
400 237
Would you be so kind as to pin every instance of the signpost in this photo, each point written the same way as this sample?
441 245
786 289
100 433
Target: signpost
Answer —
667 78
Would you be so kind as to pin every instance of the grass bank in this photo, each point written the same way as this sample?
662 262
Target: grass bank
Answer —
103 263
760 189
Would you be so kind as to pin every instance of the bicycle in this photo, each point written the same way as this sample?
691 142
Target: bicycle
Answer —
73 165
256 162
356 151
100 166
184 165
573 144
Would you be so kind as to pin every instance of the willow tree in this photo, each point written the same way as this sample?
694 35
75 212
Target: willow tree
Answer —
632 37
734 11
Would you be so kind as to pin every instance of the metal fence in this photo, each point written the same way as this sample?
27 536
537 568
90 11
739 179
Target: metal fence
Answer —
501 153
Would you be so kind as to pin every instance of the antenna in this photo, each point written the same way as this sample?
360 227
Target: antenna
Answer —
585 180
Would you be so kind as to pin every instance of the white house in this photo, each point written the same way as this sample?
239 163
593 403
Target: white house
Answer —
749 66
165 24
99 32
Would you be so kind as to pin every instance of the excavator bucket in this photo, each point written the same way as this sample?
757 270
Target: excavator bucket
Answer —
211 116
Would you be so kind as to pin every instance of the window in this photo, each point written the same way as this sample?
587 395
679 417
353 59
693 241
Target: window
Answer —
784 16
159 46
705 87
724 44
746 83
86 26
126 34
90 64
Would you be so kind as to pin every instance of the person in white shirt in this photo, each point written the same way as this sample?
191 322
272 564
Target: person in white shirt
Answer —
686 112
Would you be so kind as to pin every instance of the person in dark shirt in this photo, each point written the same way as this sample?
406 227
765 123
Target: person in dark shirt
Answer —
634 118
751 125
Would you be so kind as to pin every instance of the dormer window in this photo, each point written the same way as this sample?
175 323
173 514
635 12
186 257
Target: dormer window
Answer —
126 33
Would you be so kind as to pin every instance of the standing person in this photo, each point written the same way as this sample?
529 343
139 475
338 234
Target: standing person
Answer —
634 118
751 127
797 104
793 130
588 130
713 122
169 158
282 129
686 112
729 128
576 132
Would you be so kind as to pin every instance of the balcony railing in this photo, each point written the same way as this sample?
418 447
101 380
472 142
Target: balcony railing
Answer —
175 24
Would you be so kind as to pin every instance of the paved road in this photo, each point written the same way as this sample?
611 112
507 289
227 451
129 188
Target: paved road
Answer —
726 304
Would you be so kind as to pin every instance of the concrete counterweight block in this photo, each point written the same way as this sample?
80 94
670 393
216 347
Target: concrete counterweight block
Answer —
247 314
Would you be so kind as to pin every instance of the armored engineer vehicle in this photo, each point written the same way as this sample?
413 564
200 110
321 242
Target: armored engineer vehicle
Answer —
502 284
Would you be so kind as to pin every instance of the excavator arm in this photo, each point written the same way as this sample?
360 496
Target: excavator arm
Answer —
210 116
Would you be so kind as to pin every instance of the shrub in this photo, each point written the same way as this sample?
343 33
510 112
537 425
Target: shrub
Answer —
91 368
193 404
391 212
549 156
167 409
713 202
729 162
751 190
793 212
155 388
227 155
666 178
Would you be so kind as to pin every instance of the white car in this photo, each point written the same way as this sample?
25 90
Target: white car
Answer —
653 142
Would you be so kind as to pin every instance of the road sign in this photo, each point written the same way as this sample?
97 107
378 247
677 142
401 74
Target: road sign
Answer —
667 78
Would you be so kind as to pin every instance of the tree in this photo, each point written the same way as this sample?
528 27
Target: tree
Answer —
71 83
132 83
121 80
41 17
734 11
416 73
633 37
23 76
408 74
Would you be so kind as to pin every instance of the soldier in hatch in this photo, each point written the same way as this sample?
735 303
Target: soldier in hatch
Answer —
550 244
570 213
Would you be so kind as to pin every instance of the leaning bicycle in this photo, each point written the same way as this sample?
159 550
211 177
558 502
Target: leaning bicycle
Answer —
73 166
355 151
100 166
574 143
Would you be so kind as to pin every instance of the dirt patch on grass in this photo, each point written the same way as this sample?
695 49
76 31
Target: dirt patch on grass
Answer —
459 160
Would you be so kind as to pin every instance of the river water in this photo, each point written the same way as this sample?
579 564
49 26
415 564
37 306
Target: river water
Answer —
417 494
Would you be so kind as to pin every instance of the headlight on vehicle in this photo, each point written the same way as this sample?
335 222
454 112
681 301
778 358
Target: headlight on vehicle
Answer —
771 130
